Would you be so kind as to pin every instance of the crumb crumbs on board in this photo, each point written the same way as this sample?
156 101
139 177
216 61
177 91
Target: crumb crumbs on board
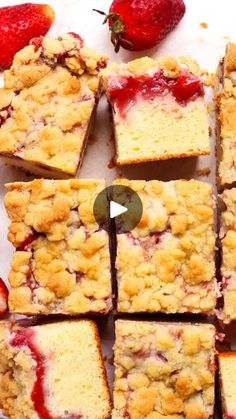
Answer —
205 171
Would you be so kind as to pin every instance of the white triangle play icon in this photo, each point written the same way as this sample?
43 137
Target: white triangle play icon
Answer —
116 209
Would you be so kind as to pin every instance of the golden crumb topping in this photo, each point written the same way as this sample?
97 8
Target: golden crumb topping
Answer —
170 65
228 243
61 264
163 370
47 101
166 263
226 104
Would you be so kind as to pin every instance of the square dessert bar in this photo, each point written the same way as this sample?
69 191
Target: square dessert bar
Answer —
53 371
226 117
164 370
227 373
62 262
47 105
228 249
158 110
166 263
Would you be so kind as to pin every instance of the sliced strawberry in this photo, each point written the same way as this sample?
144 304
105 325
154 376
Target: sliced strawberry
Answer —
20 23
3 297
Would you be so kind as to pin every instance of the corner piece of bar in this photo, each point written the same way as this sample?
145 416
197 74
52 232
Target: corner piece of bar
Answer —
53 370
226 119
47 105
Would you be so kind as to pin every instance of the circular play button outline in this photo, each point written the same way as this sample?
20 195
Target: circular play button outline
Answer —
118 204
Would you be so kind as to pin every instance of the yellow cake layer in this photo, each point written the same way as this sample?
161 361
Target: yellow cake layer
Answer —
227 365
161 129
74 381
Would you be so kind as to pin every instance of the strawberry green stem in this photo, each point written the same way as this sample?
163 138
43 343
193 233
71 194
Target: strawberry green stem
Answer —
116 26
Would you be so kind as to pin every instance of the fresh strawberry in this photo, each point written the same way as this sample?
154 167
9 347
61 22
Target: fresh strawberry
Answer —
3 298
140 24
20 23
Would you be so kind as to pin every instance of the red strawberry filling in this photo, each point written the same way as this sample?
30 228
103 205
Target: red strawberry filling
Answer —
3 297
37 42
79 276
26 245
149 242
78 37
25 337
126 413
101 64
149 354
30 280
125 90
60 58
220 336
5 113
19 150
225 282
85 98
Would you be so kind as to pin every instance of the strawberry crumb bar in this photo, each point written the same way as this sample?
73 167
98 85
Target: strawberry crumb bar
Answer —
53 371
228 247
47 105
164 370
61 263
158 110
227 373
166 263
226 105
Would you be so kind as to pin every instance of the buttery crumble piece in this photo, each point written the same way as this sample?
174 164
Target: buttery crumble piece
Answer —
62 262
226 117
53 371
158 109
204 25
47 105
166 263
164 370
228 247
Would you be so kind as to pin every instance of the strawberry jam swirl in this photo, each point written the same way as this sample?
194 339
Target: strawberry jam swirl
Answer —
26 337
5 113
124 91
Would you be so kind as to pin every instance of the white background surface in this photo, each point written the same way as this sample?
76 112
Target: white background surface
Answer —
189 38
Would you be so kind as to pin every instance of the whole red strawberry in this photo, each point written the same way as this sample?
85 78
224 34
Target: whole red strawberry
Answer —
20 23
140 24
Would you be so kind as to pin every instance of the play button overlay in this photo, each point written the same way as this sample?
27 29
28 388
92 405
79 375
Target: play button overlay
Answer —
116 209
118 204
